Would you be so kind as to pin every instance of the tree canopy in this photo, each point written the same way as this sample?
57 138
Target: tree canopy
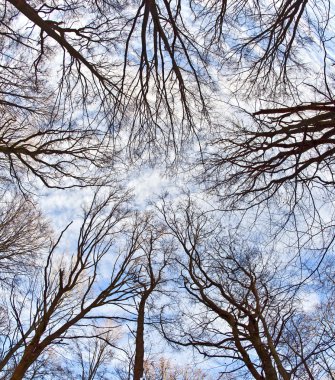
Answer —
229 102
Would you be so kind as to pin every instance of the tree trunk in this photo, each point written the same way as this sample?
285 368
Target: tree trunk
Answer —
267 365
30 355
139 348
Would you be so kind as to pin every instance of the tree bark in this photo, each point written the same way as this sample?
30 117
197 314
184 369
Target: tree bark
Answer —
139 347
30 355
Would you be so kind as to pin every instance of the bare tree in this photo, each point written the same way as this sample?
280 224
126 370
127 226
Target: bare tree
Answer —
24 235
148 64
93 356
41 136
92 70
82 80
290 150
164 368
157 251
88 356
246 304
66 296
98 355
59 158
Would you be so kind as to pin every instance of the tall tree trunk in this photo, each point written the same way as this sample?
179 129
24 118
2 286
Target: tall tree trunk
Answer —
267 365
139 348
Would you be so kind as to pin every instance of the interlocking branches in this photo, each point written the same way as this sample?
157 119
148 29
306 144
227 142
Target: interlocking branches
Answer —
246 311
289 147
149 65
61 298
57 157
23 236
149 88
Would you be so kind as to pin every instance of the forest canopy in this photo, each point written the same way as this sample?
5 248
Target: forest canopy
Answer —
167 189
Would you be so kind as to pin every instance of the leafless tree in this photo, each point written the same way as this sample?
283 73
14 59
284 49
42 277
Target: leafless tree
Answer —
100 63
52 307
147 64
245 304
164 368
290 151
24 235
58 157
281 146
40 136
87 357
91 358
157 252
99 352
82 80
